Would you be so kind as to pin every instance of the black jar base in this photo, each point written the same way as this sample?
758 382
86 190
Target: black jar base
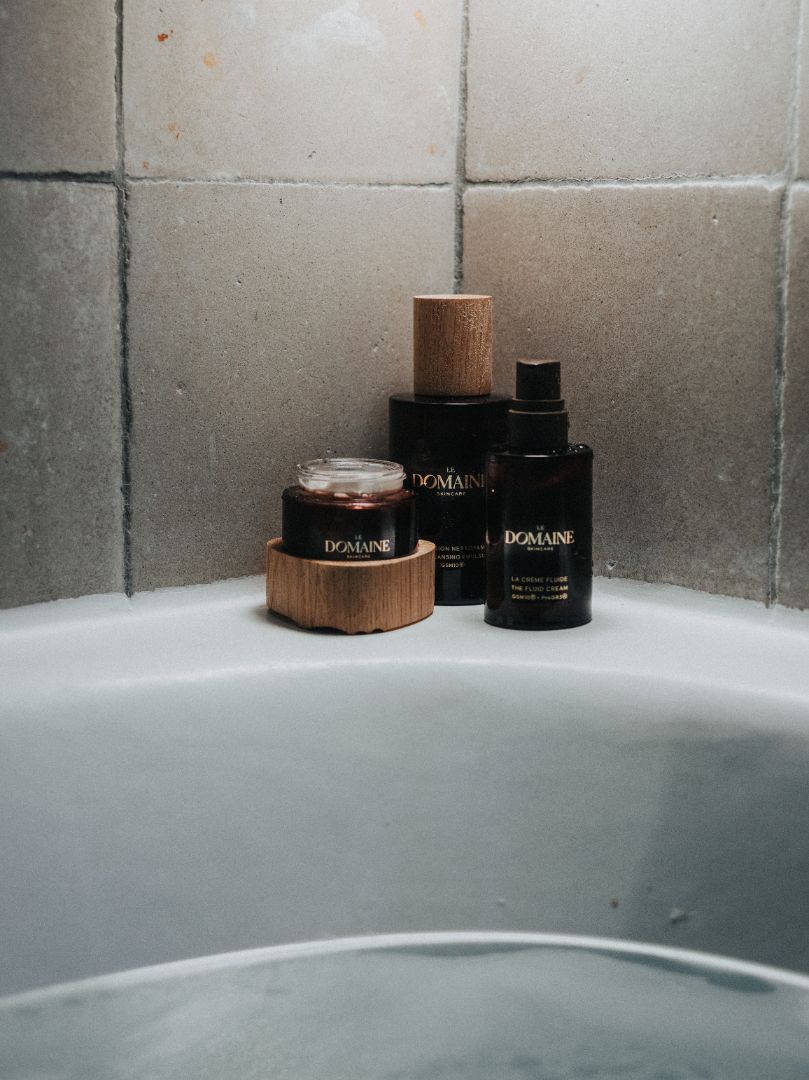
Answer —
509 622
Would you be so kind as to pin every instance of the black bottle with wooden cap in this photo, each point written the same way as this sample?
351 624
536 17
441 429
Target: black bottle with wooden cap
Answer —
442 432
539 518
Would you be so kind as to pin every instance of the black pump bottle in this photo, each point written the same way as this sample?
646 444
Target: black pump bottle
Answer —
442 432
539 512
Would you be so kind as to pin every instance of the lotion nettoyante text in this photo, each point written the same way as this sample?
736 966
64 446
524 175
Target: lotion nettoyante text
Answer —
441 434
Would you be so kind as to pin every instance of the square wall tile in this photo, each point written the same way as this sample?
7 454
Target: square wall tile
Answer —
793 556
644 88
292 90
660 299
57 85
60 408
268 323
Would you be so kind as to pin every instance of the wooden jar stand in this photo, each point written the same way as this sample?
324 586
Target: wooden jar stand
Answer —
356 597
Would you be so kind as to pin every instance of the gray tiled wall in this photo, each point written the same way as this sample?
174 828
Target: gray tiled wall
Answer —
292 90
267 324
640 88
57 79
214 216
661 302
60 381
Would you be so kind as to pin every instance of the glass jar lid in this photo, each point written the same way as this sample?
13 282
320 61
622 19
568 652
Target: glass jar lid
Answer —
351 476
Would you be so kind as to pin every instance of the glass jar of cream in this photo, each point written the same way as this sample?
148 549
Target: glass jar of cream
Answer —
349 510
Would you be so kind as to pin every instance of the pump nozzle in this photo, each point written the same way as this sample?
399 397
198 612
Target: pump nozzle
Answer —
537 418
539 380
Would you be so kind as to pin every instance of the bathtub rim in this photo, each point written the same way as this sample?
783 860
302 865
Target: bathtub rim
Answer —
243 959
195 632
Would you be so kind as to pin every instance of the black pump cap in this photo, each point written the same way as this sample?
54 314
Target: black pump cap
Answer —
537 418
539 380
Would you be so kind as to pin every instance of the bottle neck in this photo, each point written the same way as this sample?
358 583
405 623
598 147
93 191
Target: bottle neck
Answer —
537 425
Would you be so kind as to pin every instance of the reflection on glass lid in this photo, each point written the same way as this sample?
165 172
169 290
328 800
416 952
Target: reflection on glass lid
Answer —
353 476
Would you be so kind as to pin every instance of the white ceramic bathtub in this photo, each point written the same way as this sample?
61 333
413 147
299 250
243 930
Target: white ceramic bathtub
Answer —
482 1006
181 776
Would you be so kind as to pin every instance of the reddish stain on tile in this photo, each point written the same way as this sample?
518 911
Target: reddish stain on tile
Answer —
209 60
164 37
431 149
174 129
419 17
3 446
145 165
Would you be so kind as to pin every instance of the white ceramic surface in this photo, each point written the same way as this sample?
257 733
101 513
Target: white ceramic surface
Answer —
419 1007
180 775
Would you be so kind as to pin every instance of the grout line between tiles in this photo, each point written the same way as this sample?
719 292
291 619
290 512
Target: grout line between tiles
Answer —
275 182
771 180
65 177
782 325
779 378
120 181
459 186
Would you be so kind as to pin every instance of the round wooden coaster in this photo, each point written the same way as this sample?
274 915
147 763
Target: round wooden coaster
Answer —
355 597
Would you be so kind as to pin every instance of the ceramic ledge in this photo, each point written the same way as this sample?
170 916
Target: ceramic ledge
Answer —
207 632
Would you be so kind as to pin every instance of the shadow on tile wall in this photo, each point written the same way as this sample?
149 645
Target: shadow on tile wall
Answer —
213 219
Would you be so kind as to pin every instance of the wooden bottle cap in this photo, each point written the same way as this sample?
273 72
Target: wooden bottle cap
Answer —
356 597
452 345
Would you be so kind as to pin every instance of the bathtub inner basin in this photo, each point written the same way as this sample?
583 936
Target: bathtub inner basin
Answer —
180 776
437 1006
